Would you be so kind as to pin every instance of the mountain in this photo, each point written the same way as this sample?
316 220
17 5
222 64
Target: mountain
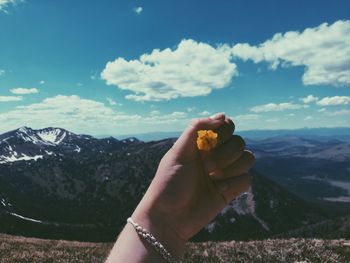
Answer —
28 144
335 228
84 188
314 169
341 133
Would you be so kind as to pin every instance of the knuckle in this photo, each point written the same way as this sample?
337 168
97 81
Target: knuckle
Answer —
231 125
195 123
240 143
250 156
198 123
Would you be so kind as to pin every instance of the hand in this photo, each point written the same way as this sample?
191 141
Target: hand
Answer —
191 187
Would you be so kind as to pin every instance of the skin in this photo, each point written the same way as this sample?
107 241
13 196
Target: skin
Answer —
189 189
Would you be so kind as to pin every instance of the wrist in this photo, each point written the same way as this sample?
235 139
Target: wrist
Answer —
161 228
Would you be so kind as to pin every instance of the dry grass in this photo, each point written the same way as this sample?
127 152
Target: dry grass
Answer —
21 249
284 250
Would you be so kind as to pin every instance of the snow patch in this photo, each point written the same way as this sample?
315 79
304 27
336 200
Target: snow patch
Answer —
26 218
15 158
77 149
211 227
53 136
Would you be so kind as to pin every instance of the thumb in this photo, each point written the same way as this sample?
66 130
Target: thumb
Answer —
185 147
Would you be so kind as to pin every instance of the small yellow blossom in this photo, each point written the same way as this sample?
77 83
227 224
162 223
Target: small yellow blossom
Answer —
206 140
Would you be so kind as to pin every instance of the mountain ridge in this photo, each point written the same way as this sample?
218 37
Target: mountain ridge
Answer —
70 193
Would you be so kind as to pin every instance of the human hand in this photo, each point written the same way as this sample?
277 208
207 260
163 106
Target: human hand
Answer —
191 187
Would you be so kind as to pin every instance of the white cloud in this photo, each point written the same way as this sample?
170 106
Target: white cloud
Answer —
87 116
111 102
2 72
204 113
70 112
190 109
336 100
42 82
307 118
322 110
155 113
339 113
179 114
6 3
246 117
178 117
291 115
23 91
191 69
277 107
273 120
93 77
10 98
324 51
309 99
79 84
138 10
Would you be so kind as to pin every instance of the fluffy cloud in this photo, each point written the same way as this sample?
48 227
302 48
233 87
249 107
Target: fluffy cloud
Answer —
2 72
87 116
155 113
191 69
309 99
111 102
336 100
246 117
10 98
23 91
340 113
273 120
277 107
324 51
177 117
71 112
204 113
5 3
138 10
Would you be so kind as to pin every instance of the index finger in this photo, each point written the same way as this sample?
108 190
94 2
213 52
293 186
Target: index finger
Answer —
225 131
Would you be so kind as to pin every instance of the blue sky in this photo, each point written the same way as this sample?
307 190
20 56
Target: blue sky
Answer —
126 67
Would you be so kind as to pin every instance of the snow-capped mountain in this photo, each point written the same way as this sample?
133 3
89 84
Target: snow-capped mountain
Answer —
26 144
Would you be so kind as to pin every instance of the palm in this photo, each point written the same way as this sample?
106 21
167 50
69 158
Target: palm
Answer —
196 201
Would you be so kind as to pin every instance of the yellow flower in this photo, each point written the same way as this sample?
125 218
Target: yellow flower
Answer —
206 140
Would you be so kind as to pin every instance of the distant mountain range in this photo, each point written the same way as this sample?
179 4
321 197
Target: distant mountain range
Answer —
313 168
341 133
57 184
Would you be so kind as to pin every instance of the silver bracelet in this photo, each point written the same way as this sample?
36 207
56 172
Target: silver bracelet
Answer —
143 233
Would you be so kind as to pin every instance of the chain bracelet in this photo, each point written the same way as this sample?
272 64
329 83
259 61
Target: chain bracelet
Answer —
144 234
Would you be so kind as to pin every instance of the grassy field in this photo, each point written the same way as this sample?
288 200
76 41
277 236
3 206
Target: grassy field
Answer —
21 249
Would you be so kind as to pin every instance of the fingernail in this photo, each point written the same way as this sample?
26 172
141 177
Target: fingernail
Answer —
218 116
210 165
